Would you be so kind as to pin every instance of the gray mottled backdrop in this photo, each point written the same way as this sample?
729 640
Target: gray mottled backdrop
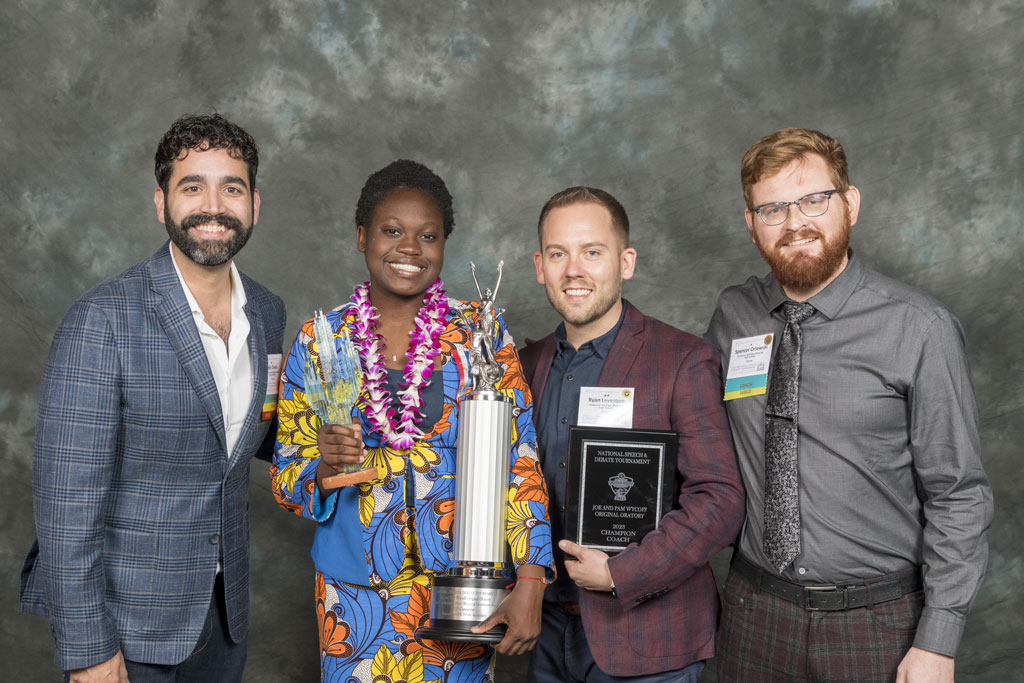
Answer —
510 102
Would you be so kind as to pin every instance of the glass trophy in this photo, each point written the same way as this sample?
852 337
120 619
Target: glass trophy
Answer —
333 378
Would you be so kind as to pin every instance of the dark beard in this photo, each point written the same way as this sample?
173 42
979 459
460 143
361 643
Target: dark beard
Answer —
804 273
207 253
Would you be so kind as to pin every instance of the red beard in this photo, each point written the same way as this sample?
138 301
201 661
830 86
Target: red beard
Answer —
802 272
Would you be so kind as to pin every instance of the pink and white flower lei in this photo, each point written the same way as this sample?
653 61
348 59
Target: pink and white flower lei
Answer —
424 346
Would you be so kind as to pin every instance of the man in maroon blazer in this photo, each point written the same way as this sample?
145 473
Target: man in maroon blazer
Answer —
648 613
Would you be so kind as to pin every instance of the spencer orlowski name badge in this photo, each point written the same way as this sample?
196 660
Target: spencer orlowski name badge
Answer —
748 366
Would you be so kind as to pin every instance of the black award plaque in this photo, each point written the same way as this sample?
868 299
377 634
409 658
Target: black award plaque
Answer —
621 482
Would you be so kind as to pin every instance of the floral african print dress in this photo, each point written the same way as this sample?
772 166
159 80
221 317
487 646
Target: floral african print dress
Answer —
378 544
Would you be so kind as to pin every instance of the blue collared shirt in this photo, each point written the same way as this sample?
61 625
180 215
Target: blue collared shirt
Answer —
559 410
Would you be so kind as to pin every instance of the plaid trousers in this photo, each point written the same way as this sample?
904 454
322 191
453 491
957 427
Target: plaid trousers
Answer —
766 639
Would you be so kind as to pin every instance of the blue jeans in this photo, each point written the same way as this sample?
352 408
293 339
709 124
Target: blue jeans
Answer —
215 659
562 655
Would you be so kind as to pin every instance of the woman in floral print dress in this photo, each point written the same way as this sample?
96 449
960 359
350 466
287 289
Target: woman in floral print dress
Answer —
378 544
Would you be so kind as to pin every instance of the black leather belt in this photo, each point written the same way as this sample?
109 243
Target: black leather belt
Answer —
831 598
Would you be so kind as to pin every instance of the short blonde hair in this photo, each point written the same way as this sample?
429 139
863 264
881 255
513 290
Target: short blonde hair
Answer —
588 195
772 152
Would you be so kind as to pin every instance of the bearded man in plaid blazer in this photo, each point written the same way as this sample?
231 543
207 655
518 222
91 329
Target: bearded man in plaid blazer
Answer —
649 613
156 395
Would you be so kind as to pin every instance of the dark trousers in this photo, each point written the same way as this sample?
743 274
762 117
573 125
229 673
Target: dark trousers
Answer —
766 639
215 659
562 655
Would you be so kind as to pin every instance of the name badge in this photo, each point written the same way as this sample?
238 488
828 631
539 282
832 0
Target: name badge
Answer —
606 407
270 392
748 366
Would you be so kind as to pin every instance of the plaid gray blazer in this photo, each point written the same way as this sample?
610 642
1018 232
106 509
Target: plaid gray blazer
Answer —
134 493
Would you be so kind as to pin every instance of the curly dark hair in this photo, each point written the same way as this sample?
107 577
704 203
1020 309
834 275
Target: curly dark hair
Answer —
410 174
202 132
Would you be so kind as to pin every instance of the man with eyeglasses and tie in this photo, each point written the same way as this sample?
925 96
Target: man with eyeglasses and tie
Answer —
855 425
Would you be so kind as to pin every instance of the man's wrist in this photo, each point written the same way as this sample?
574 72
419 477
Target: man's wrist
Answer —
939 631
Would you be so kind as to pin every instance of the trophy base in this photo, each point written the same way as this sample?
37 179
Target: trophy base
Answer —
459 630
458 603
336 481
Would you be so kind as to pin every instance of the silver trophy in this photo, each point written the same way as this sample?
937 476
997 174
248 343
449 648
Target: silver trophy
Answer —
468 593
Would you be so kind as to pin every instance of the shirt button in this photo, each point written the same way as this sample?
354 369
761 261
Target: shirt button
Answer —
801 570
564 420
562 464
214 539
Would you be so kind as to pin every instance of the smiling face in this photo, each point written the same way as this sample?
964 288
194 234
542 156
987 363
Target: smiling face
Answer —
403 244
582 265
805 254
209 209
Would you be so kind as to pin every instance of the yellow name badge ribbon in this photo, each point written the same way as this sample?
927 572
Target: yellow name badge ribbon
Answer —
748 366
270 392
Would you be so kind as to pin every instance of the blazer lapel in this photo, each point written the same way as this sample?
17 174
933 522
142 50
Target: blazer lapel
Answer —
541 370
625 348
174 314
258 354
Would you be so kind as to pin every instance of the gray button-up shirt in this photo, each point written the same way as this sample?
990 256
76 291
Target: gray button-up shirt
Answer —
889 466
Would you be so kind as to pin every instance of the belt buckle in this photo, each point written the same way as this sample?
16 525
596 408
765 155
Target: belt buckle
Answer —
809 590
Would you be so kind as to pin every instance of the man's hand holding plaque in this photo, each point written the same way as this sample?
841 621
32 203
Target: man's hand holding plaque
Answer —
590 568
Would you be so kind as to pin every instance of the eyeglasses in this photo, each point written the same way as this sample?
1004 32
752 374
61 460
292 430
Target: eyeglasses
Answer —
811 205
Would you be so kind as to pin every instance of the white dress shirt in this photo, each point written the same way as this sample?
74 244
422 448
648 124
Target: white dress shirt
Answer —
231 365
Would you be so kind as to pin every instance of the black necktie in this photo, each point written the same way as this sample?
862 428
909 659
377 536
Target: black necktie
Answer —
781 500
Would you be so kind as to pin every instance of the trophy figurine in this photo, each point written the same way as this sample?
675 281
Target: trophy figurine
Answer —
468 593
332 387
